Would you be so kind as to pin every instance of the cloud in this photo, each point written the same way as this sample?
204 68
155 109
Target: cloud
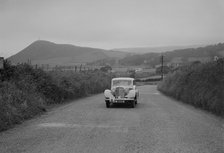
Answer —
110 24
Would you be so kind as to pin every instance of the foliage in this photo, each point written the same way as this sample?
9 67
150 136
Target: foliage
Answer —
17 104
201 85
103 62
7 72
106 68
150 59
164 69
81 84
25 91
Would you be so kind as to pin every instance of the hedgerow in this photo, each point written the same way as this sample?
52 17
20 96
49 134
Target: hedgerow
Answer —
201 85
26 91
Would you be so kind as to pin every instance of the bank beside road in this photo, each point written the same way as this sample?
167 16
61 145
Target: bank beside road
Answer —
26 91
157 124
201 85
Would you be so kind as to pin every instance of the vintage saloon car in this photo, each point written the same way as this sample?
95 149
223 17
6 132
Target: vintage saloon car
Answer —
123 90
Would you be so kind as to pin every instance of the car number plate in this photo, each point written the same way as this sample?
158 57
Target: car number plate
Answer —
120 101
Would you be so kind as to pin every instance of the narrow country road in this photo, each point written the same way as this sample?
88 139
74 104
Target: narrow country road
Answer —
158 124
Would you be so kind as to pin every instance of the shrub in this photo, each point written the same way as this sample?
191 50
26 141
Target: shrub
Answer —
201 85
17 105
81 84
25 91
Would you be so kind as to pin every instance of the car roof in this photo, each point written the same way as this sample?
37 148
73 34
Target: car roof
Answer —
123 78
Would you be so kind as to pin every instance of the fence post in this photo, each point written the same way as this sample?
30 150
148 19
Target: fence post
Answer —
80 68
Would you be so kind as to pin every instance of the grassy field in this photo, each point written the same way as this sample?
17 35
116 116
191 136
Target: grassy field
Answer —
25 91
201 85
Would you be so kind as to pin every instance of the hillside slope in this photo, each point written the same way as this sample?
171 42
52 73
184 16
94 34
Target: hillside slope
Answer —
182 55
144 50
45 52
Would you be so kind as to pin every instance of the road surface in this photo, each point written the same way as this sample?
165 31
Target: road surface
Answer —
157 125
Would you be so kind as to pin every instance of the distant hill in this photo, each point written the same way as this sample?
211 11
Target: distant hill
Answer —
45 52
143 50
201 54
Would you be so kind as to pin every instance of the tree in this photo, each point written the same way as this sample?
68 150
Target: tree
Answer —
106 68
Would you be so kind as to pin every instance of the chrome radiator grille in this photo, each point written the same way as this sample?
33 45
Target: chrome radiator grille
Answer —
119 92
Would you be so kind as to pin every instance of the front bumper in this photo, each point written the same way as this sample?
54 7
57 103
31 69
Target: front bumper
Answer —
119 100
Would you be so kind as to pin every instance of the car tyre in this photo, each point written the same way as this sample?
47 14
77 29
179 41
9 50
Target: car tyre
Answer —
136 101
108 104
132 104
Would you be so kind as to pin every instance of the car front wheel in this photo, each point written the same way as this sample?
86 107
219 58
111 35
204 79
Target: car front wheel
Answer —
132 103
107 104
136 101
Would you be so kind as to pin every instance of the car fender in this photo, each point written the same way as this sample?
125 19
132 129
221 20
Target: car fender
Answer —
108 94
131 94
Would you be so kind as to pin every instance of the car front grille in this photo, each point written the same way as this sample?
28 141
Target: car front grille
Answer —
119 92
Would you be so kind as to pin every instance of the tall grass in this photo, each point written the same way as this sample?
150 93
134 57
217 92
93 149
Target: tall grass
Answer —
201 85
25 91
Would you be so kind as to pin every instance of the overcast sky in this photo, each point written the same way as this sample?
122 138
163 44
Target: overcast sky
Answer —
110 23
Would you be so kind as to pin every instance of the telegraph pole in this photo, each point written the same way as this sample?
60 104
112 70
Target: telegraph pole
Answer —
162 58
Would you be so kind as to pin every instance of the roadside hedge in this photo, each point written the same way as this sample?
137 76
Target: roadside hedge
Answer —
26 91
201 85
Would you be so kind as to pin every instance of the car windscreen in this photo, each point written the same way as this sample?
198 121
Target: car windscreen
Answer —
122 83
